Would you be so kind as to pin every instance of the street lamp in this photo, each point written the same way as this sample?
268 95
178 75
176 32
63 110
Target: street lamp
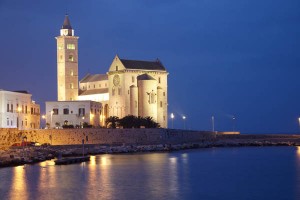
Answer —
213 123
183 117
82 122
299 122
233 123
172 117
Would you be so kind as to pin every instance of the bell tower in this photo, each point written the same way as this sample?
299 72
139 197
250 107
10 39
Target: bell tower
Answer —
67 63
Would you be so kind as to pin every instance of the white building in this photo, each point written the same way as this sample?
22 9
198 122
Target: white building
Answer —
74 113
17 110
130 87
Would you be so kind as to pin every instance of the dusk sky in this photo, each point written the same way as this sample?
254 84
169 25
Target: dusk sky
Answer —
225 58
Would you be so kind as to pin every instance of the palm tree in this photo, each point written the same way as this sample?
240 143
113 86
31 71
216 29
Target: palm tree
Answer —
112 122
148 122
128 121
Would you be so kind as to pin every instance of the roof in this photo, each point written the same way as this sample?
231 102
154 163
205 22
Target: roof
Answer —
94 78
18 91
67 23
145 77
146 65
95 91
21 91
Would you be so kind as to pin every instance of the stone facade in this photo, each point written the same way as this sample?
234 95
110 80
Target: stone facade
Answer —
17 110
67 63
139 92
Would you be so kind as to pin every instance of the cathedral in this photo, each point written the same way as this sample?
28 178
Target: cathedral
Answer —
130 87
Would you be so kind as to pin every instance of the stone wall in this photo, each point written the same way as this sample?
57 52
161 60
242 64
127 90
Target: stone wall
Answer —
228 133
104 136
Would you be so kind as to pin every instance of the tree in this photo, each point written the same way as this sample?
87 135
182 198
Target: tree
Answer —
131 121
112 122
148 122
86 125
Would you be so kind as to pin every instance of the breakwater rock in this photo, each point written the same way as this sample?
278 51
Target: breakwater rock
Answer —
14 156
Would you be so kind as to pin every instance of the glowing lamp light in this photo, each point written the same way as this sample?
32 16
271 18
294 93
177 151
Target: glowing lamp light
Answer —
172 116
19 109
184 117
299 122
43 116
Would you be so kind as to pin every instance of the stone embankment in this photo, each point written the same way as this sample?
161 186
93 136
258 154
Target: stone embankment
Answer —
18 155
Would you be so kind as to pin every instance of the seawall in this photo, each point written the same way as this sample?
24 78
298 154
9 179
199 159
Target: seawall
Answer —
104 136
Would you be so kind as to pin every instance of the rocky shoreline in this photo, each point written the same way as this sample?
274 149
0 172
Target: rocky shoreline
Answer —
15 156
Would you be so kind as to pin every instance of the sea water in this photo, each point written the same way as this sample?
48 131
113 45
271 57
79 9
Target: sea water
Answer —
214 173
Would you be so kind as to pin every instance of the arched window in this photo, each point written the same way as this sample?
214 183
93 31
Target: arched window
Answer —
71 58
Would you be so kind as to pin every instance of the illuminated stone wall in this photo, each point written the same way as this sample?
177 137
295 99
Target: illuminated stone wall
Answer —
104 136
121 100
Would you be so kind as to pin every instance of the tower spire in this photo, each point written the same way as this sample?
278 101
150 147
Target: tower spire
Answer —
66 29
67 23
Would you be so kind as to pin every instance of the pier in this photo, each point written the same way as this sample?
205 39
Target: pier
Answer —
71 160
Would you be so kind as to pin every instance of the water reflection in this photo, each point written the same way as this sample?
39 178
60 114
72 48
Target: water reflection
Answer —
173 185
47 178
99 178
19 186
93 161
298 171
177 175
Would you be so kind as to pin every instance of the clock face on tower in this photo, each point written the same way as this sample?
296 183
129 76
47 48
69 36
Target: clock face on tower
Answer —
116 80
66 32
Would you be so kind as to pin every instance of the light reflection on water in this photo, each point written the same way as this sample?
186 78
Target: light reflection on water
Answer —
298 171
19 183
223 173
